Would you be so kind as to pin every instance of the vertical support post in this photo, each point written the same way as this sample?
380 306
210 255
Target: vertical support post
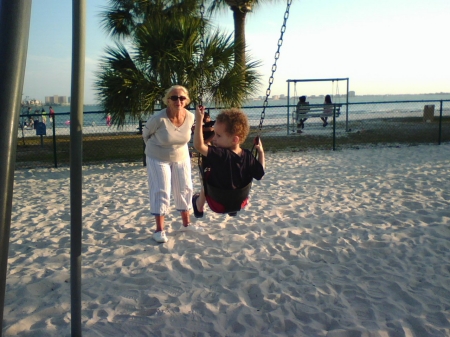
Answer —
14 33
144 158
54 141
76 159
440 123
288 106
346 107
334 127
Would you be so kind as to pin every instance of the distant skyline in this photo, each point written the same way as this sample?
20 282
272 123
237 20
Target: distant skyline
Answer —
383 47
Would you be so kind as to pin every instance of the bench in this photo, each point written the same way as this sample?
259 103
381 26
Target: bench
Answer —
314 111
317 111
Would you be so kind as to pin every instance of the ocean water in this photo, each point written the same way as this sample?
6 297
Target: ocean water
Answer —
276 113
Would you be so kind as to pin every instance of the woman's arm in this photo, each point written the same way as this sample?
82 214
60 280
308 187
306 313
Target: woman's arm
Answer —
149 128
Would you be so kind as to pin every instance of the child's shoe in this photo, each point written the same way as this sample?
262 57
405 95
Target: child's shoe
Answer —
197 214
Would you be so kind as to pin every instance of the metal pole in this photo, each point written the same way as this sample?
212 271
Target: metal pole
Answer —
54 141
76 159
440 124
14 33
346 108
334 128
288 106
144 158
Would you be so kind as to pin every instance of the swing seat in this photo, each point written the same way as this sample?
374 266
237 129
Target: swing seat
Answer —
223 201
226 201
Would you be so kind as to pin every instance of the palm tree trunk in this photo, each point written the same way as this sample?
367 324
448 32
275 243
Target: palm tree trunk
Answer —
239 36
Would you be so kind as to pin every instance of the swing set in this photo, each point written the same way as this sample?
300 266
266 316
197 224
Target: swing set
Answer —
318 112
233 199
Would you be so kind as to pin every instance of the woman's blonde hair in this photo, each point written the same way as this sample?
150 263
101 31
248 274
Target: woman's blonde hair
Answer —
236 123
176 87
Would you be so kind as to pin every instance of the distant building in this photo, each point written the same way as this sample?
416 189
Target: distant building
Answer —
32 102
56 99
63 100
351 94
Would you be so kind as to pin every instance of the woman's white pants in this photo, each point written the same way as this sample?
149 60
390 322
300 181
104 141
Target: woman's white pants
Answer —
165 178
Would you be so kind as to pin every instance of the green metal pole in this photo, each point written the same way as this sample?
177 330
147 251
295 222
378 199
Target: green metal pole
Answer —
346 107
144 156
76 159
288 107
14 32
54 141
334 128
440 123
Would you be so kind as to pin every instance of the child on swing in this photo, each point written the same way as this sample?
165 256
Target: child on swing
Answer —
231 167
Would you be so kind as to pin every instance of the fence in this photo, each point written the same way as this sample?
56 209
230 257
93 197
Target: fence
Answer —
47 142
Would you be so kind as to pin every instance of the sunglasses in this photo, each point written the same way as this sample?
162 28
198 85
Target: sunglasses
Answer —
176 98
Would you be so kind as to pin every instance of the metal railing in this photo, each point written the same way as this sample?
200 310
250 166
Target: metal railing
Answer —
45 142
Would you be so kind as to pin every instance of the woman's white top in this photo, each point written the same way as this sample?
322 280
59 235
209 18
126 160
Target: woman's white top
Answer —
164 141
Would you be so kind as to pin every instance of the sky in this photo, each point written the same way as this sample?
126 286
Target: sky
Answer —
383 46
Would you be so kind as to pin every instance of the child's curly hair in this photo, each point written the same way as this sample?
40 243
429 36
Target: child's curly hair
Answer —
236 123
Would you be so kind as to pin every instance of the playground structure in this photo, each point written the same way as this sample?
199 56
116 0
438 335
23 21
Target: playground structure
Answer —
335 92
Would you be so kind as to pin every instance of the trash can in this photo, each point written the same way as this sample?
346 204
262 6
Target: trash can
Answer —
41 129
428 113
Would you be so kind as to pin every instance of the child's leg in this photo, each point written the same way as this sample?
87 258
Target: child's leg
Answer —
198 202
201 200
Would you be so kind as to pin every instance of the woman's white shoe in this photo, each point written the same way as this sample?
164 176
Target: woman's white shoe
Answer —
160 237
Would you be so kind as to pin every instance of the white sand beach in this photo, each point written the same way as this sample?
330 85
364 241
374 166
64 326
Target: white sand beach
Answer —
339 244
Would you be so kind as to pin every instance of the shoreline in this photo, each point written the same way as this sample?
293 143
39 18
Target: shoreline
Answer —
380 117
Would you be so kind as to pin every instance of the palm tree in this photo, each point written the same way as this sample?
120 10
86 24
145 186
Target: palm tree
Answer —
122 17
240 9
163 48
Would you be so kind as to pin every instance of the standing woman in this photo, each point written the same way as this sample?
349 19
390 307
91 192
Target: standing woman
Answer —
166 135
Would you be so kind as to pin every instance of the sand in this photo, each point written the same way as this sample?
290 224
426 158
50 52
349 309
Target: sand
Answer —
346 243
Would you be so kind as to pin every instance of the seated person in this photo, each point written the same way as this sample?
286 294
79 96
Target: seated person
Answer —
327 110
302 109
230 166
208 128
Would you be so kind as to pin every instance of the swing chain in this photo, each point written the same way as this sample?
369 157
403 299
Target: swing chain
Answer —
202 54
274 66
